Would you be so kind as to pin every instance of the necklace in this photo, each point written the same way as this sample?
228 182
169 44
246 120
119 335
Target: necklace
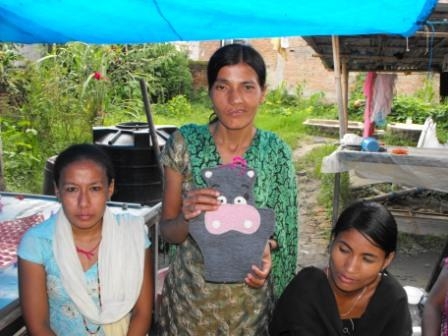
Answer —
360 295
354 302
86 327
89 254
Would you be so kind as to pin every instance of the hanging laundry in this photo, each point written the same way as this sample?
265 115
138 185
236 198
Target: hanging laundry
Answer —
382 97
379 91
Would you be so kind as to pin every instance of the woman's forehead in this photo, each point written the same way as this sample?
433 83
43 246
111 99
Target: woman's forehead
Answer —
357 240
83 165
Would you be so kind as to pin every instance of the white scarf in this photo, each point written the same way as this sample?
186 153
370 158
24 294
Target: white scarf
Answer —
120 262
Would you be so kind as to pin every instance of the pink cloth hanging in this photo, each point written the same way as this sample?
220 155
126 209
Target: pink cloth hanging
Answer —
369 84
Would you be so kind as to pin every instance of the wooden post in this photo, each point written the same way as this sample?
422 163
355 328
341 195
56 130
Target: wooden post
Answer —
345 90
342 121
337 78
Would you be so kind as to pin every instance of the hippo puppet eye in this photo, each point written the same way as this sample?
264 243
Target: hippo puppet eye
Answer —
222 199
239 200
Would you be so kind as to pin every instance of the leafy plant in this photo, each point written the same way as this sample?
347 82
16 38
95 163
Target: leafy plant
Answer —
21 156
162 66
75 86
178 105
8 57
409 107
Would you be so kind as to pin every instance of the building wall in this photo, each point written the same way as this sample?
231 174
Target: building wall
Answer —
292 62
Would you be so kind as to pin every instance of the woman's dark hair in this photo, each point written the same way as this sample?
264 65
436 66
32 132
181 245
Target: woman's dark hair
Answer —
80 152
373 221
233 54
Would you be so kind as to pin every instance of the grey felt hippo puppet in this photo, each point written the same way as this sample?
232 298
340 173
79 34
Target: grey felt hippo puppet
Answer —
232 238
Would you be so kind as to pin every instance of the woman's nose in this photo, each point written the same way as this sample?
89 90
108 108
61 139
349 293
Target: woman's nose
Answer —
352 264
235 96
83 199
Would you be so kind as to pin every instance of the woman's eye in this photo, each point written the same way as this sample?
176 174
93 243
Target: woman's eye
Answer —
219 87
369 260
343 249
249 87
222 199
96 188
70 189
239 200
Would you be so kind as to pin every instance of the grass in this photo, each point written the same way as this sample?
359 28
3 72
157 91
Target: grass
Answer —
311 163
288 126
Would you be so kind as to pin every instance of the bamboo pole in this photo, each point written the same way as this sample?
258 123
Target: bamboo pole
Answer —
342 122
344 70
337 78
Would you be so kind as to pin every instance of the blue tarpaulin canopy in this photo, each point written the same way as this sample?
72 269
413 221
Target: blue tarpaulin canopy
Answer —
141 21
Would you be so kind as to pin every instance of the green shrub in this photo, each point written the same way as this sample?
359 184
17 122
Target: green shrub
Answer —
162 66
74 87
440 115
21 156
410 107
178 105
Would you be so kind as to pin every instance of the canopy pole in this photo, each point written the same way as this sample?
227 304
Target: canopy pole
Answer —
342 121
337 78
345 89
152 128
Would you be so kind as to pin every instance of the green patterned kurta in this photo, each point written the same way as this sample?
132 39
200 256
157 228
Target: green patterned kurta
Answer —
191 306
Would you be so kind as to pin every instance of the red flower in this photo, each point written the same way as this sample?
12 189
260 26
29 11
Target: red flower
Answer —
97 75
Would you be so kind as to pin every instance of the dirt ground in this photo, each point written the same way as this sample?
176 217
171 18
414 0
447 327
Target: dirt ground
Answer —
416 258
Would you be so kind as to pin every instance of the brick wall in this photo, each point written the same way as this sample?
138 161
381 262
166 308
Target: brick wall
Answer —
296 65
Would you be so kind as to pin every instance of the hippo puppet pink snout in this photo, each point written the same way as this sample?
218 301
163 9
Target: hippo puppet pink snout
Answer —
243 218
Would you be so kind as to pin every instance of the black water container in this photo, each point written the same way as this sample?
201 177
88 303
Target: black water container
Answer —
138 178
48 176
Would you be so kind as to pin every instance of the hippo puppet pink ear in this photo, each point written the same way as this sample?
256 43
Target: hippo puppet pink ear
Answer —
233 237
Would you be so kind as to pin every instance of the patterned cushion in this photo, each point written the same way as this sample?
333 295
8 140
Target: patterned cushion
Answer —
11 231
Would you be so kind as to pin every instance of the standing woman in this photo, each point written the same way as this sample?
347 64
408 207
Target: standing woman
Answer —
190 305
86 271
354 295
